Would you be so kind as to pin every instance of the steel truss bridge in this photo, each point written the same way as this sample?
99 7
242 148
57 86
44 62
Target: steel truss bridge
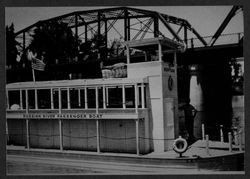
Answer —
127 23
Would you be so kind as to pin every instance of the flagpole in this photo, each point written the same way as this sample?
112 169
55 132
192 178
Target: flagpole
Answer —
33 75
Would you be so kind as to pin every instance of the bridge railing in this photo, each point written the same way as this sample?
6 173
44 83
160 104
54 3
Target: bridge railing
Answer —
224 39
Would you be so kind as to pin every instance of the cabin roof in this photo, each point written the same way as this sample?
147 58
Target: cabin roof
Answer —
75 83
152 44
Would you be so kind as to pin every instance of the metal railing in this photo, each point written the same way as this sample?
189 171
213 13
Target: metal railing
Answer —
232 38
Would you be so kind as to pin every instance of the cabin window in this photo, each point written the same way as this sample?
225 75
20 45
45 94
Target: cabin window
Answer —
91 97
76 98
14 100
100 97
130 96
31 99
64 98
43 99
169 58
55 98
114 97
139 97
23 100
74 103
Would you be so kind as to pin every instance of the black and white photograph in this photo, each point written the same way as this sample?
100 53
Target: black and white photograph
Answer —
124 90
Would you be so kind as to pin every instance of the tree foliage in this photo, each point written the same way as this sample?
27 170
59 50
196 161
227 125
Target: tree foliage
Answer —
54 41
11 46
94 48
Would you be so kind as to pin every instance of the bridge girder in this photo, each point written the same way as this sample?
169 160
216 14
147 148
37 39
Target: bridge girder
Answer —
87 18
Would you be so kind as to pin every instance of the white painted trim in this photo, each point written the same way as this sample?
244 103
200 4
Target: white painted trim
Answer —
78 83
36 101
123 97
21 99
51 99
85 98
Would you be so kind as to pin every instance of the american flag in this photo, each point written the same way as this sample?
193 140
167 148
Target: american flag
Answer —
37 64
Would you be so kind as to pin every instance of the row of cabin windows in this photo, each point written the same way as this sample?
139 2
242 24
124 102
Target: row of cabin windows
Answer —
76 99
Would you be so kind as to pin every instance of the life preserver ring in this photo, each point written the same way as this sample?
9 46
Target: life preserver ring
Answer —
180 145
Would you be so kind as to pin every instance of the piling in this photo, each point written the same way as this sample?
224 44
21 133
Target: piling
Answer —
230 141
221 133
207 145
203 131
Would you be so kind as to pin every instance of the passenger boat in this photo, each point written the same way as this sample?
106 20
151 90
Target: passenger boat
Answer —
132 109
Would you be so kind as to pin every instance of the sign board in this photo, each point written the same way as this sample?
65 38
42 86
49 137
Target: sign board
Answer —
72 116
62 116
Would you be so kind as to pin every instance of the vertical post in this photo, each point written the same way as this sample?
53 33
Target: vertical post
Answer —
79 97
235 136
99 24
203 131
76 31
61 134
96 100
106 32
230 141
27 134
185 36
86 32
59 100
128 55
107 96
24 42
207 145
221 133
33 75
97 136
136 98
125 25
27 101
36 102
85 98
142 96
21 99
156 27
128 29
51 98
7 131
68 98
104 97
240 141
160 51
137 137
175 61
123 97
24 51
7 99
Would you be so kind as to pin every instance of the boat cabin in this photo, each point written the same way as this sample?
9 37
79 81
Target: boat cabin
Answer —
132 109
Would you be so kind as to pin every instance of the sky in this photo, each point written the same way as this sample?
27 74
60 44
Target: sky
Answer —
205 19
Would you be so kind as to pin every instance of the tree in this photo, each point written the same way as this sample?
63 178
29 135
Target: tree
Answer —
94 48
54 41
11 47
